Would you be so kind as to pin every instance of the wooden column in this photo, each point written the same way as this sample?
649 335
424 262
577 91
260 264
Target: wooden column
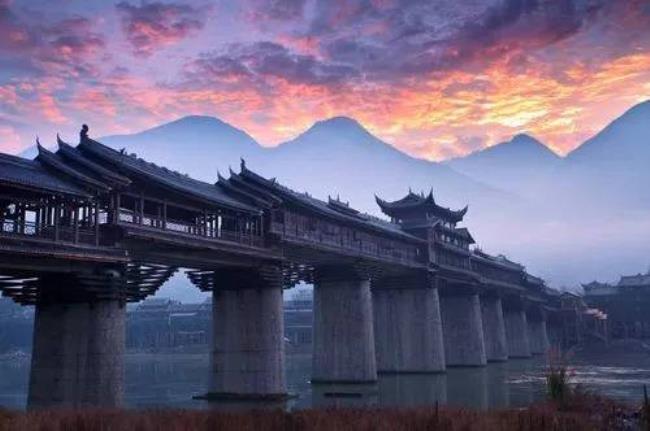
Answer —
164 222
141 216
75 224
158 215
37 221
57 217
96 222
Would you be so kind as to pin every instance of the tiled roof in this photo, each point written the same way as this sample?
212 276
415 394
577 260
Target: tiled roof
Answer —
57 163
32 173
180 182
414 201
635 280
70 153
337 212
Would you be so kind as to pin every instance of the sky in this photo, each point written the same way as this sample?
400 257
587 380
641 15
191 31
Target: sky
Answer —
436 79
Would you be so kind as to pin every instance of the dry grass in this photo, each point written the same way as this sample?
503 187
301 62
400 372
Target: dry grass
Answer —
589 414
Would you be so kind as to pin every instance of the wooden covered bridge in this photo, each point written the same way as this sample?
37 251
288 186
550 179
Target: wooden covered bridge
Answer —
87 228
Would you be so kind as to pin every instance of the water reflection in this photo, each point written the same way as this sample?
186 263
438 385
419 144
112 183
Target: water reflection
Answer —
171 380
467 387
403 390
345 395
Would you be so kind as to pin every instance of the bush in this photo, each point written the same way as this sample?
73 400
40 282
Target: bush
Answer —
557 378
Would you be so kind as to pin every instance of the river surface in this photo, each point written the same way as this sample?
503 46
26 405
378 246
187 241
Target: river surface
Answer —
171 380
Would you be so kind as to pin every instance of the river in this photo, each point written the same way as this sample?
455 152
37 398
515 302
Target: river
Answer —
171 380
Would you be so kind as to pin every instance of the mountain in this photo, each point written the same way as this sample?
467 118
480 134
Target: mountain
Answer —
197 145
520 165
613 166
339 156
623 142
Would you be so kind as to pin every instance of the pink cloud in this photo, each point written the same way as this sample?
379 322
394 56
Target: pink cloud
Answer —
151 26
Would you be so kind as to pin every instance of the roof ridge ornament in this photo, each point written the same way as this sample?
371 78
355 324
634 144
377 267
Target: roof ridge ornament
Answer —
83 134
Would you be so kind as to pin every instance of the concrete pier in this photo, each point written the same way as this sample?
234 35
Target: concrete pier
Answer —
538 335
462 329
494 330
247 360
344 342
517 332
78 355
408 326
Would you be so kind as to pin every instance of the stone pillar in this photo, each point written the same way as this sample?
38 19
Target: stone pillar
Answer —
408 326
462 329
516 331
537 333
494 330
78 354
247 360
344 342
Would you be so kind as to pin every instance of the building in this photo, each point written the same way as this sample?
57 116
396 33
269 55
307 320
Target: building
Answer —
626 304
298 321
16 326
164 324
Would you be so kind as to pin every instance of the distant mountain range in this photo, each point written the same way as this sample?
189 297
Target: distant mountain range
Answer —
519 165
334 157
569 219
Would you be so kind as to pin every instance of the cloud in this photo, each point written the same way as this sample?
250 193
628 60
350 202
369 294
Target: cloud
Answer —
36 46
153 25
274 10
442 35
253 63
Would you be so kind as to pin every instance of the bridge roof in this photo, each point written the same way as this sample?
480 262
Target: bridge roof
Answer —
333 209
33 174
56 163
499 260
129 164
634 280
71 154
414 203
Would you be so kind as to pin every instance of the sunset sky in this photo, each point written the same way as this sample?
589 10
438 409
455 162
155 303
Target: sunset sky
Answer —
436 79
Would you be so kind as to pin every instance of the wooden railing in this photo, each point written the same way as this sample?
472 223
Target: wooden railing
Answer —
183 227
83 235
368 248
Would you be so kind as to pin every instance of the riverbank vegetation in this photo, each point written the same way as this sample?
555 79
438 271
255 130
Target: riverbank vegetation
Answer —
581 412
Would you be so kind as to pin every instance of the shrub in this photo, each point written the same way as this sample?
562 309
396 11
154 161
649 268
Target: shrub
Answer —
557 378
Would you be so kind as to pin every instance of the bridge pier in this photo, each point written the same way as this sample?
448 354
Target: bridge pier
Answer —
462 327
344 341
537 332
247 359
494 330
516 329
78 352
408 326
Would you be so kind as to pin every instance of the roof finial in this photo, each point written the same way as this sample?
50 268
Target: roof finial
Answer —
83 135
242 164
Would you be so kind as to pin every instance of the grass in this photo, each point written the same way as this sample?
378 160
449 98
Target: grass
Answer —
557 378
588 414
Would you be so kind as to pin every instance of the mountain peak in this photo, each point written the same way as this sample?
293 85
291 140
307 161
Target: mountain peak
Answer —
339 124
623 140
199 121
521 145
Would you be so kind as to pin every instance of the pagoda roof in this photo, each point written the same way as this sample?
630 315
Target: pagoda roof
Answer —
58 164
211 194
33 174
70 153
634 280
499 260
595 285
333 209
414 202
